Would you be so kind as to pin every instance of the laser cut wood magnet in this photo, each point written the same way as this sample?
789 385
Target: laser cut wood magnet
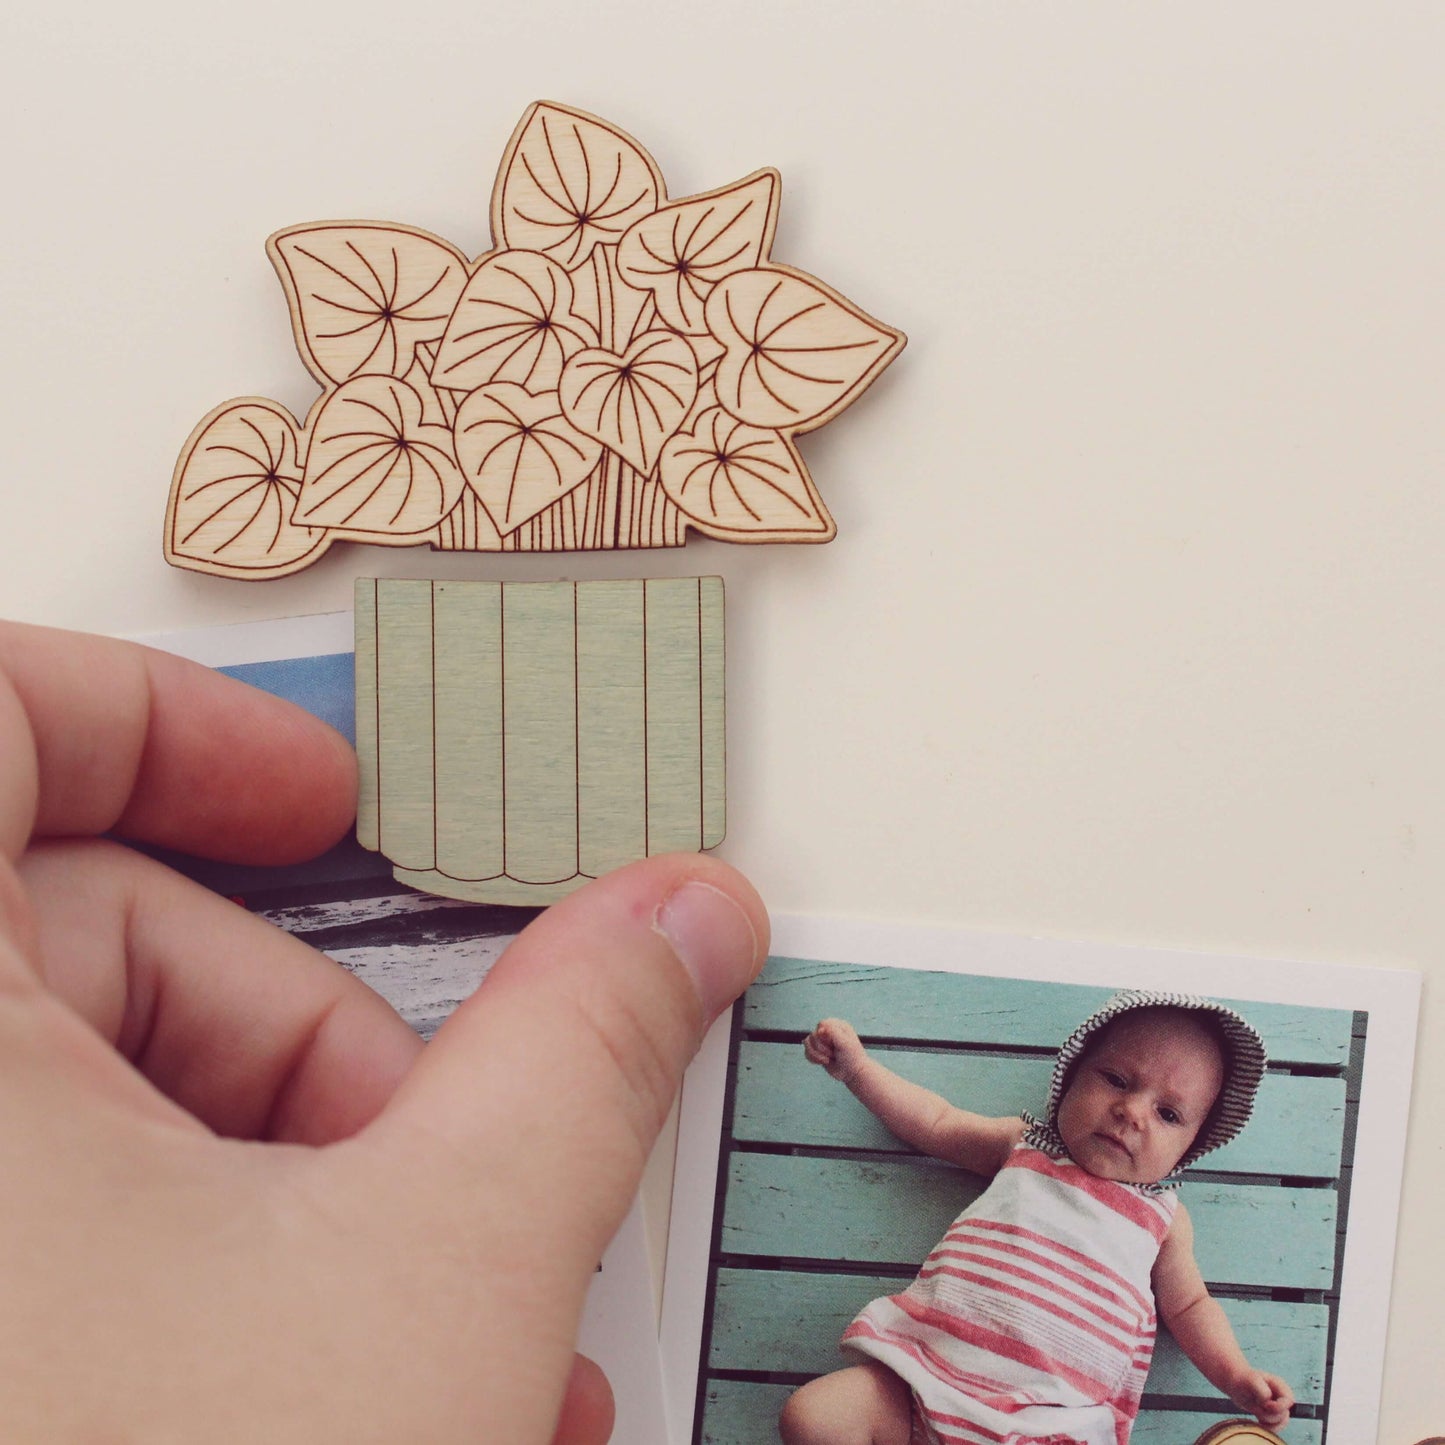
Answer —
518 738
620 369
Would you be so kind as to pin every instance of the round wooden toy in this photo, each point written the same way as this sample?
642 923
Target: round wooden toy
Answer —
1238 1432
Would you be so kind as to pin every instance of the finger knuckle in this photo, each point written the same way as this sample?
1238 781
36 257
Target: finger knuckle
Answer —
640 1049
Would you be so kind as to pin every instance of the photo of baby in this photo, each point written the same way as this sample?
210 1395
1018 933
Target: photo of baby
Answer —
1034 1317
959 1208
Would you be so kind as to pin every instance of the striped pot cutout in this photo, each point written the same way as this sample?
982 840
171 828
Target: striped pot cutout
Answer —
518 738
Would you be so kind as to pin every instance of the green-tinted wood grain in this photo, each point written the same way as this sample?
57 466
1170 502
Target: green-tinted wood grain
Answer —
893 1211
612 723
539 709
467 683
714 729
367 824
674 715
1296 1130
903 1003
789 1322
517 738
406 780
742 1412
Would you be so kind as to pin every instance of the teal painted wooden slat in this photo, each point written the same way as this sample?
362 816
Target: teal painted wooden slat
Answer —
674 715
406 772
744 1412
714 728
793 994
539 712
789 1322
893 1211
1250 1235
612 725
1297 1128
467 688
364 660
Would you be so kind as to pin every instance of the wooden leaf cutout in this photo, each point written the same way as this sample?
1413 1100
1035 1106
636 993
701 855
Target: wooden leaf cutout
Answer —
233 494
439 403
434 410
514 322
373 464
796 353
633 402
683 250
569 182
518 453
363 295
742 483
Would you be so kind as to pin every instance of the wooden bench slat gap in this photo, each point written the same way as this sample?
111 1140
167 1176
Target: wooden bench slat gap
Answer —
780 1264
817 1264
906 1043
1198 1403
884 1156
885 1042
1226 1410
905 1272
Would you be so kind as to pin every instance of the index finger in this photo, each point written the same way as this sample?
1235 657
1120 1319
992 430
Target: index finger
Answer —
98 735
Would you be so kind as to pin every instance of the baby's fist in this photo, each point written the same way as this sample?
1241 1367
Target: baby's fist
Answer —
835 1046
1266 1397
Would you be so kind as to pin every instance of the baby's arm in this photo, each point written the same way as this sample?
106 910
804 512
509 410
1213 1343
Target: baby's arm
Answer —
1202 1330
916 1115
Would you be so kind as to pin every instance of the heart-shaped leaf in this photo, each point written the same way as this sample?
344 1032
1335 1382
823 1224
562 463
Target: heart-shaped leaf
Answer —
569 182
740 482
514 322
362 296
234 493
374 466
797 353
632 403
518 453
683 250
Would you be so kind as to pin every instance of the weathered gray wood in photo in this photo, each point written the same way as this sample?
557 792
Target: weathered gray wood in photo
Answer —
516 739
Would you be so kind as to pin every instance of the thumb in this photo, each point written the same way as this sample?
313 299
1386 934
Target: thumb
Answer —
548 1087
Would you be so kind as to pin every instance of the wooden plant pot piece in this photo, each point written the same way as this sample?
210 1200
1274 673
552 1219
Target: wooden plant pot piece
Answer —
617 370
518 738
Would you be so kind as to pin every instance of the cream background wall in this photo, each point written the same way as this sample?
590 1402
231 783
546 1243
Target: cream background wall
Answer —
1132 626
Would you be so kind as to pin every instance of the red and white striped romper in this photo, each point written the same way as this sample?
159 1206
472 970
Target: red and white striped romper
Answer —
1033 1319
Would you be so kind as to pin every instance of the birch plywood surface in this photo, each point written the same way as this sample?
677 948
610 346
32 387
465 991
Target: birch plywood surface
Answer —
516 739
619 369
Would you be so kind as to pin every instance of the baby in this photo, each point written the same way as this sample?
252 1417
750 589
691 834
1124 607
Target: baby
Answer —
1033 1319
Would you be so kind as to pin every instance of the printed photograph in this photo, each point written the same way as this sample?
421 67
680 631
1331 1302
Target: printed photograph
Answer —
963 1208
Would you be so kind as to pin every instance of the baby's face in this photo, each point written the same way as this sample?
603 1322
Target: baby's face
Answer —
1138 1098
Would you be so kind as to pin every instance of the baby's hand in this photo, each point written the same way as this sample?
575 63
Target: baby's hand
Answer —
1266 1397
836 1046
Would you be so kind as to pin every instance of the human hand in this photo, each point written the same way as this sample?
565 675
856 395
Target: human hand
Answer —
1266 1397
241 1201
835 1046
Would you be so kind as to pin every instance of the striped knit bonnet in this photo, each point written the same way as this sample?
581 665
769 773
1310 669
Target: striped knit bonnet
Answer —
1244 1063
